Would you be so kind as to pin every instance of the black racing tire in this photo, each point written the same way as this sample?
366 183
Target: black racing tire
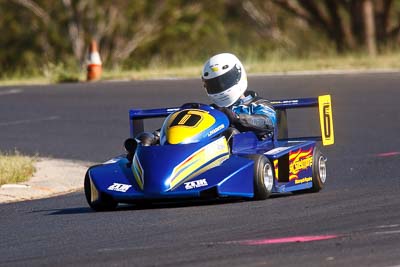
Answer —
318 173
103 203
263 178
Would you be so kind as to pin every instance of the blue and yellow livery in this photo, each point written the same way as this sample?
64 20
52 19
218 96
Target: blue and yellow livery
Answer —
192 125
194 160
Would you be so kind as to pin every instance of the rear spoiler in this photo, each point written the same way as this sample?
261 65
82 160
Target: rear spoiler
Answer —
325 117
136 117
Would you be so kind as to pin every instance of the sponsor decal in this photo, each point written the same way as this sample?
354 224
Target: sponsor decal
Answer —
291 101
216 130
303 180
215 149
196 184
119 187
298 161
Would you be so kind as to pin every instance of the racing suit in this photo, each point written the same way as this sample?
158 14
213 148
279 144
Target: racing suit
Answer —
252 113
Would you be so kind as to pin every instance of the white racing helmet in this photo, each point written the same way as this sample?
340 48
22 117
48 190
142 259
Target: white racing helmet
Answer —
224 79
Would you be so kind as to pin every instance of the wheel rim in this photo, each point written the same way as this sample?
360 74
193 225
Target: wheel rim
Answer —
322 169
268 177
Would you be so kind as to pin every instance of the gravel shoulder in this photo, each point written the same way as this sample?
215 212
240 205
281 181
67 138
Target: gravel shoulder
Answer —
52 177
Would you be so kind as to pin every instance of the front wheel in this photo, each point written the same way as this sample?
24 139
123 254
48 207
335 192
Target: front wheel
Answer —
97 201
263 178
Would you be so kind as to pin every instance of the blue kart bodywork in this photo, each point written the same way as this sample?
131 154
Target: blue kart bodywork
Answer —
201 164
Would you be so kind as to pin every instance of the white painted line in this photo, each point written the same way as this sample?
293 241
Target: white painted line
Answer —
11 92
388 226
52 118
388 232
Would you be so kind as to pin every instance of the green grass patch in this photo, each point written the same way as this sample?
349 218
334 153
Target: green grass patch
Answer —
274 63
318 63
189 71
15 168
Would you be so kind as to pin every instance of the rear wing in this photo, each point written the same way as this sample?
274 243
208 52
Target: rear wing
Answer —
324 105
136 117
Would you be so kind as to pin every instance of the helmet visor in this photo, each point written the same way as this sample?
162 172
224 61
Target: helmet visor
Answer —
225 81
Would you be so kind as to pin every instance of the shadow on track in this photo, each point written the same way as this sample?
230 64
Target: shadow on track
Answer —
142 206
154 205
80 210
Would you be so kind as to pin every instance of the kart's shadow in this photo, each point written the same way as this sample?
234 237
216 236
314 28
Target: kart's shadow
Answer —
80 210
189 203
174 205
142 206
159 205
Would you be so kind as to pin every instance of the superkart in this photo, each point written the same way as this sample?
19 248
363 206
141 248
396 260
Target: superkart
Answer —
195 160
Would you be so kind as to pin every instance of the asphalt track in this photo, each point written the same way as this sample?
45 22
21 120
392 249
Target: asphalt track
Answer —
354 221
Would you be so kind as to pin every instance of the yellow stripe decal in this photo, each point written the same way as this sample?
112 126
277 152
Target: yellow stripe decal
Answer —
193 164
184 120
276 169
138 172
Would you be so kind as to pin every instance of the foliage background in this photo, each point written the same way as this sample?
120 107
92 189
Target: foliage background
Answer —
39 37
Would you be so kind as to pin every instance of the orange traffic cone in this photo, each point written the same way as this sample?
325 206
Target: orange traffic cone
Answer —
94 63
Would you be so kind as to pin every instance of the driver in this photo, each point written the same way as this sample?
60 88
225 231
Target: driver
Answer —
225 81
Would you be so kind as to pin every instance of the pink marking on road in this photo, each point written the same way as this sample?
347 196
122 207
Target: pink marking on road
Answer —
295 239
388 154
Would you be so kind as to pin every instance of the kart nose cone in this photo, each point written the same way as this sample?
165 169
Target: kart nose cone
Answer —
158 165
155 186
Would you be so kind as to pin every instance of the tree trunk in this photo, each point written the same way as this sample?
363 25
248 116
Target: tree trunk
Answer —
336 26
382 19
76 32
369 26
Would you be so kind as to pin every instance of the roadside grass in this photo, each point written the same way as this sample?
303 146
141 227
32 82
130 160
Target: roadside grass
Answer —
318 63
15 167
272 64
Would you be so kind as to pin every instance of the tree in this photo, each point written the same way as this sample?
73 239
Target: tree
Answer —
120 26
351 24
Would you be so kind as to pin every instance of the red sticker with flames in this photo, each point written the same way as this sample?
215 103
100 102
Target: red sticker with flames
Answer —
299 160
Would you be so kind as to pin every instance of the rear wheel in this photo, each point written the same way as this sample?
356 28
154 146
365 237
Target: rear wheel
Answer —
318 171
96 200
263 178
